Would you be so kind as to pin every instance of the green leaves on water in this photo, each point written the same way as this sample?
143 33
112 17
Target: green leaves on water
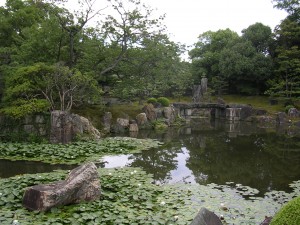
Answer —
76 152
130 197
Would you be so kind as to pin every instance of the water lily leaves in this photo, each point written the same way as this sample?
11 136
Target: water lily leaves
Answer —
76 152
130 197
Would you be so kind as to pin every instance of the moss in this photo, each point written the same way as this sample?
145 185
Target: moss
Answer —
289 214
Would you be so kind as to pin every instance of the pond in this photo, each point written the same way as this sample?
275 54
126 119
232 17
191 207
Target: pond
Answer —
206 152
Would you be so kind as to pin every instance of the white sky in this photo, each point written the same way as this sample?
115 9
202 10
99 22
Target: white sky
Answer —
186 20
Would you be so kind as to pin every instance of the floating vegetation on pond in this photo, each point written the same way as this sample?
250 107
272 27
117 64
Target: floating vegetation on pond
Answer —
130 197
76 152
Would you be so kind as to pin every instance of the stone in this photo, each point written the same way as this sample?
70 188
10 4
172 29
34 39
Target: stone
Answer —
206 217
246 110
133 127
61 128
123 122
82 126
281 118
169 114
197 93
141 119
265 119
293 112
150 112
233 114
66 126
267 221
121 125
82 184
159 113
107 119
204 82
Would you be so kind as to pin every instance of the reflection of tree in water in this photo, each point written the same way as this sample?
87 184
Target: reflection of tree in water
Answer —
158 162
241 160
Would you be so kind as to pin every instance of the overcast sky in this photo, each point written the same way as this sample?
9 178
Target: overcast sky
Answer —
187 19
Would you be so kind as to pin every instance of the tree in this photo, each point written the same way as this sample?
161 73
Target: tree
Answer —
286 81
260 36
206 56
291 6
40 87
73 23
239 64
155 69
131 24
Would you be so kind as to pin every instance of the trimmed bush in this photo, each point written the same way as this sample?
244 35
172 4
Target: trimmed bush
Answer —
152 100
163 101
288 107
289 214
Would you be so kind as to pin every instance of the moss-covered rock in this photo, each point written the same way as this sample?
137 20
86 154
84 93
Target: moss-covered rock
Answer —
289 214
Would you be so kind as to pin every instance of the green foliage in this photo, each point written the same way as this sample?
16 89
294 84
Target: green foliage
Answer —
152 100
288 214
288 107
20 107
76 152
128 196
163 101
159 125
234 64
36 88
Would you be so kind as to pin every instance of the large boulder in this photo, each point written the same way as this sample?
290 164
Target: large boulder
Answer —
293 112
121 125
150 112
133 127
82 184
206 217
141 119
169 113
66 126
82 126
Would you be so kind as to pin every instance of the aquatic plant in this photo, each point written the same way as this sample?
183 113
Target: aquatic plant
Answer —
130 197
76 152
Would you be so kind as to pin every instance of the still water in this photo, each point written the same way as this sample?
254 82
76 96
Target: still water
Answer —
207 152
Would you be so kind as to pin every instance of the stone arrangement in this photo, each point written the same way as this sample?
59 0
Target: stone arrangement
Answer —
82 184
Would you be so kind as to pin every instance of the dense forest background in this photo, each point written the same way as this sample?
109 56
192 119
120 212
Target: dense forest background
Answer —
52 58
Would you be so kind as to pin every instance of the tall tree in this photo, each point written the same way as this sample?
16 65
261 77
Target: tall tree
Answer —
287 59
73 24
206 56
131 23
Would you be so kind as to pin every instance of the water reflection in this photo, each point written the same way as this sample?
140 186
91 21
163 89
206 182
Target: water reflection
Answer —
218 152
206 152
11 168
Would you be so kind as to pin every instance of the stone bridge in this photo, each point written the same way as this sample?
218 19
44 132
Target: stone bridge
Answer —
213 110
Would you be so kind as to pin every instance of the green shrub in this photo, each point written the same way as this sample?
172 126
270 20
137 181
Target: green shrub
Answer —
289 214
163 101
159 125
152 100
288 107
